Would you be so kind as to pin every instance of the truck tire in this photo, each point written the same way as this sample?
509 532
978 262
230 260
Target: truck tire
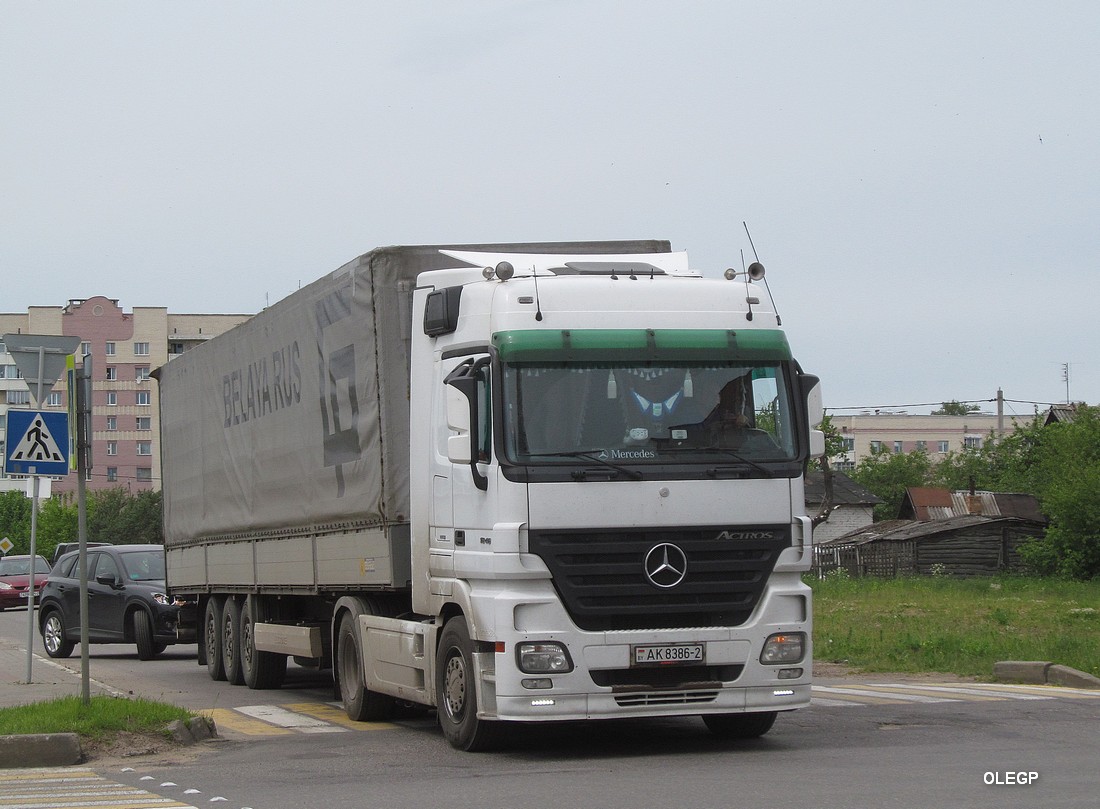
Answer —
53 635
740 725
212 633
261 670
456 691
147 646
231 641
360 703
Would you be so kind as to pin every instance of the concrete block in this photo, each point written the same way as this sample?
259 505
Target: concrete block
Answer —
1072 678
1022 671
40 750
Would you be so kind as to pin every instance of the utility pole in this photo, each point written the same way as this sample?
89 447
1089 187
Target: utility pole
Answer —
1000 413
1065 378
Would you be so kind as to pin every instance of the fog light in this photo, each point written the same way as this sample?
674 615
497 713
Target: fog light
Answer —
784 693
542 703
543 657
790 674
783 648
537 682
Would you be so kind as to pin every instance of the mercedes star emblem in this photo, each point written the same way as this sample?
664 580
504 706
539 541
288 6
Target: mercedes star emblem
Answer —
665 565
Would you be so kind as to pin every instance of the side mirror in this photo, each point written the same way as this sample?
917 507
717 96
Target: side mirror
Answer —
811 390
107 579
462 416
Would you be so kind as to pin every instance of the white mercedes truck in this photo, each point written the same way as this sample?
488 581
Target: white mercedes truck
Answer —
513 482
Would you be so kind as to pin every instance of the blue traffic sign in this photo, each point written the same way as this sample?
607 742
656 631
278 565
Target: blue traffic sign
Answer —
37 443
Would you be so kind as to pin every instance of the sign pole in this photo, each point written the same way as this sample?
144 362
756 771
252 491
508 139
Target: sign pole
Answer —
34 531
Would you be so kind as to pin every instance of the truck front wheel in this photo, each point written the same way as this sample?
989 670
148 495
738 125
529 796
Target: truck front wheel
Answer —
740 725
360 703
456 691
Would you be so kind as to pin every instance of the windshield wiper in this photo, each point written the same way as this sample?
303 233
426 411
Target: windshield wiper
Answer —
590 455
740 459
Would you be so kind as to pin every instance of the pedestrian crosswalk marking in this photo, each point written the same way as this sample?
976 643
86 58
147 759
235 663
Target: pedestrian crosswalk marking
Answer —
231 720
329 717
72 788
330 713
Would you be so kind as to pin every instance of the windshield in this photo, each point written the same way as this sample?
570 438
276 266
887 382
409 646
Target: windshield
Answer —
21 566
648 412
143 565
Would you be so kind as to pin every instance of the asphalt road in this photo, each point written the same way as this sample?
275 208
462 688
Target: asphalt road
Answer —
865 743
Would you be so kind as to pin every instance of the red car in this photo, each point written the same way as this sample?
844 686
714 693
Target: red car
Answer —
15 576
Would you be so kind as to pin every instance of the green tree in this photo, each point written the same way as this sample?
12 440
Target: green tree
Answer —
954 408
888 474
1067 480
834 441
15 520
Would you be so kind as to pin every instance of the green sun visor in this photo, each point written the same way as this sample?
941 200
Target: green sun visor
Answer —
645 344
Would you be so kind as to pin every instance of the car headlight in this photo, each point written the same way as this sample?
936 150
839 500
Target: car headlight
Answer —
783 647
543 657
163 599
5 586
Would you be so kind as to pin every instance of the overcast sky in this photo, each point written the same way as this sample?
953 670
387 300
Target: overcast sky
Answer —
921 180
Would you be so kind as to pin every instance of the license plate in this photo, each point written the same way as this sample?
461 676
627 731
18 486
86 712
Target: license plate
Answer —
665 654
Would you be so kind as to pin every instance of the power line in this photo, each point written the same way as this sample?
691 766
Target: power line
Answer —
942 403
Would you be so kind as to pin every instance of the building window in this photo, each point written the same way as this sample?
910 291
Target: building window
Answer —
849 444
141 373
143 397
144 423
18 397
112 423
112 473
897 447
112 373
109 349
144 447
972 442
141 349
112 398
943 446
112 448
876 446
922 446
54 399
144 474
85 348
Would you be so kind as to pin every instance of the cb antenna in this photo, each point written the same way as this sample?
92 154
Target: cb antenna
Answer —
778 319
538 304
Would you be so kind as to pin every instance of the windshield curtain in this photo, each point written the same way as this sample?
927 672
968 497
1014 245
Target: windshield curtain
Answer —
648 411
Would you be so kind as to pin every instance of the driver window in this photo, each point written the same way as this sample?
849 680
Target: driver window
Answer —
104 566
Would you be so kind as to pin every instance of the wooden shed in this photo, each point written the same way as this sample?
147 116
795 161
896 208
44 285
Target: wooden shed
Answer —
969 545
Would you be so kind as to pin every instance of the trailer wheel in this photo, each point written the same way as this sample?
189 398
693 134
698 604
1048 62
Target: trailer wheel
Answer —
212 632
740 725
261 669
147 646
231 641
456 691
360 703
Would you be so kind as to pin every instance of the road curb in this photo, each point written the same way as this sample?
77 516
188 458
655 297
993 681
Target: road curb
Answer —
40 750
1042 672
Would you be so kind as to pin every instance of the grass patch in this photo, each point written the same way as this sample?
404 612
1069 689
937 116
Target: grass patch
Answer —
955 625
102 718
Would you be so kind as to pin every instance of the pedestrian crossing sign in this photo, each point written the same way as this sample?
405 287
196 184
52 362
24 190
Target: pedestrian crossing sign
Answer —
38 443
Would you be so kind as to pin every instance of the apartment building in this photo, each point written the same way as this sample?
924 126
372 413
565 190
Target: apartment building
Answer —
865 433
125 347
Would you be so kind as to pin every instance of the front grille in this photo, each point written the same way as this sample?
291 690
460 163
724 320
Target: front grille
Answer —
670 677
600 575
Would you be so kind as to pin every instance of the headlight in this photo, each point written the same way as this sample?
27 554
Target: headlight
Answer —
162 598
5 586
783 648
543 658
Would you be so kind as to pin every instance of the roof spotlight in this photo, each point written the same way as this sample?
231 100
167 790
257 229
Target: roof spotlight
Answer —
505 270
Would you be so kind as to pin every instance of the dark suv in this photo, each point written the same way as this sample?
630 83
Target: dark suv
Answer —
127 601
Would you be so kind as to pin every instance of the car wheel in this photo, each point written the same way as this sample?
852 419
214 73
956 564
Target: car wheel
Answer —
53 636
143 636
212 635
